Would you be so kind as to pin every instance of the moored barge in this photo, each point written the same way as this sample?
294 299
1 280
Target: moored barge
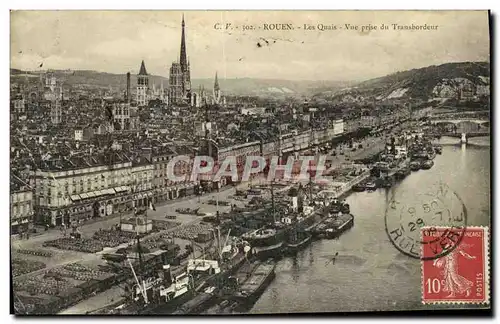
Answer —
254 286
415 165
333 226
427 164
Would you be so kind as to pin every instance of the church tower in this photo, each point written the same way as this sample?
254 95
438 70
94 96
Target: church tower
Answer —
185 62
217 93
142 86
180 75
183 59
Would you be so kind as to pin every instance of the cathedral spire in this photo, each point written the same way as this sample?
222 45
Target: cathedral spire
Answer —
183 59
216 83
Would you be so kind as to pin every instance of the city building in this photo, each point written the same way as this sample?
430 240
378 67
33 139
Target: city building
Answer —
18 104
466 92
483 87
134 119
55 111
158 93
165 188
121 115
78 188
21 206
78 134
199 98
142 181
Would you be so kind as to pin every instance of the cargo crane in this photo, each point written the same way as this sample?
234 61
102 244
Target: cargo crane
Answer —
139 276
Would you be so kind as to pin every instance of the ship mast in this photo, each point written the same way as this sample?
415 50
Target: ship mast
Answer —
139 249
141 284
142 288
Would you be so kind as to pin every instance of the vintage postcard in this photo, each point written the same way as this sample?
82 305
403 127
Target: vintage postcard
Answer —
249 162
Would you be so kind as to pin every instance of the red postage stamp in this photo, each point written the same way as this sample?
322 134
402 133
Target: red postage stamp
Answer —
461 274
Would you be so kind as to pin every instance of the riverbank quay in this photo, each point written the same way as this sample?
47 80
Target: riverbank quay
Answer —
184 234
35 262
187 222
111 298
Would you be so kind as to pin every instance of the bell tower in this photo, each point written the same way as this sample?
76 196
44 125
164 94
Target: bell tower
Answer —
142 86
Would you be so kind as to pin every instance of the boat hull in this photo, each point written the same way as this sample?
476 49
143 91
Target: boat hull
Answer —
331 231
293 248
154 307
415 168
249 297
270 251
196 305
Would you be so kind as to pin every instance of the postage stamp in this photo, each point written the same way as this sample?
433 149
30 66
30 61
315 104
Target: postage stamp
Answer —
461 276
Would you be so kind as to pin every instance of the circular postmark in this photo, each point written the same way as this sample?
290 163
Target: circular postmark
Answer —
426 223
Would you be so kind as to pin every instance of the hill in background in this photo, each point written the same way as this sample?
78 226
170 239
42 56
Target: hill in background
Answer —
236 86
424 83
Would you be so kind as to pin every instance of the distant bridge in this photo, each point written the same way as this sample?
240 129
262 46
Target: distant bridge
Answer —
464 137
467 125
456 121
463 125
462 114
459 135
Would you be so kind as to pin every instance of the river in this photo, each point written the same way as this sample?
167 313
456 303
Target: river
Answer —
370 274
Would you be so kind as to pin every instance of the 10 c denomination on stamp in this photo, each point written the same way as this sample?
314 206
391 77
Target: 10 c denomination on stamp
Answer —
461 276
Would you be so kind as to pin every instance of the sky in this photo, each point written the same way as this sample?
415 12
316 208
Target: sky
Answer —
117 41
